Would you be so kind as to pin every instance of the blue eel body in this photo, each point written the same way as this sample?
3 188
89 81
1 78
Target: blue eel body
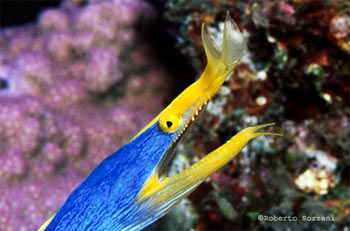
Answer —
106 197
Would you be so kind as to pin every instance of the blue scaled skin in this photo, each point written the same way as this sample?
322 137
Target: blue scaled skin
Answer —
130 189
105 198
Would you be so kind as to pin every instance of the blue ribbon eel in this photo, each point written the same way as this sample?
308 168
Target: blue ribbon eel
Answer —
129 189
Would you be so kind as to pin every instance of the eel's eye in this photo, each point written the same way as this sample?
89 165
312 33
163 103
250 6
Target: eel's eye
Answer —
170 123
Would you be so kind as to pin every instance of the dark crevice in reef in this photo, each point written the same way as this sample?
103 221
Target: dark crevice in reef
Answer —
162 35
14 13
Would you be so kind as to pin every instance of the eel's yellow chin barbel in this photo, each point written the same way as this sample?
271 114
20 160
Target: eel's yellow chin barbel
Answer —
129 189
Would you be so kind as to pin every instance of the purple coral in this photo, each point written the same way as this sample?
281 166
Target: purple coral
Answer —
103 69
54 20
31 73
12 164
58 45
54 125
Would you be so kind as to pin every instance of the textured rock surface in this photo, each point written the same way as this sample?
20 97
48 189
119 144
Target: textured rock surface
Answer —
295 74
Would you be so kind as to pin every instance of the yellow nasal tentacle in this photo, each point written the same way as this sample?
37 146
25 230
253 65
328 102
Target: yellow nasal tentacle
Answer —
222 58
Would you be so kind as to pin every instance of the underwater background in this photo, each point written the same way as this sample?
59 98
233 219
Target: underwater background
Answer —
78 79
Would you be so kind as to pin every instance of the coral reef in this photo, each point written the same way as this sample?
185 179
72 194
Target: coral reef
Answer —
81 81
73 89
295 74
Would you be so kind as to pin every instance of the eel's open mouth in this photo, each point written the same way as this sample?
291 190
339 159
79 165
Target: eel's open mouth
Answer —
169 154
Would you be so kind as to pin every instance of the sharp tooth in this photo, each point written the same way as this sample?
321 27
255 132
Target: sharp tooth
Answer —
196 114
192 118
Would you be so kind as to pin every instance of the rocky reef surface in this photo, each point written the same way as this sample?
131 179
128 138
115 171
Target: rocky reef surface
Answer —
296 73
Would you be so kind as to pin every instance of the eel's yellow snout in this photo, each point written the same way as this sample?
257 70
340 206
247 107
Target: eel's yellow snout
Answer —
222 57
